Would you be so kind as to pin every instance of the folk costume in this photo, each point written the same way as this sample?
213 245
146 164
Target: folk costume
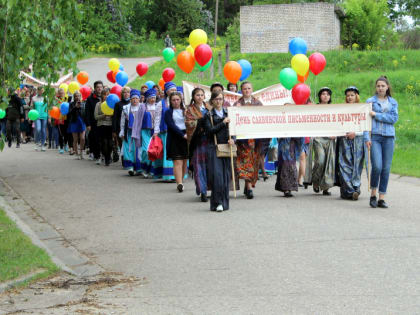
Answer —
147 131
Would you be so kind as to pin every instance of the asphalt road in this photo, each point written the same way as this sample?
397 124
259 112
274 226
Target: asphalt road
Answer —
310 254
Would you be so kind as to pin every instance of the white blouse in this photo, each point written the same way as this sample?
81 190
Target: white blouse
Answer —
178 117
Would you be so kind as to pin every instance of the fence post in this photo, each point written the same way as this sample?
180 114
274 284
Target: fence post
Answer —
227 52
219 57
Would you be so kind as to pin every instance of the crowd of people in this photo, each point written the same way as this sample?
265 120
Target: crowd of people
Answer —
194 137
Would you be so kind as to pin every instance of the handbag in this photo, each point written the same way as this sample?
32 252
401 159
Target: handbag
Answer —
224 150
155 149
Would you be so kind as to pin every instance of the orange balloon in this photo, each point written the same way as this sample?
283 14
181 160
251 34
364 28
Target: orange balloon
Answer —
232 71
114 74
55 112
82 77
303 78
162 83
185 61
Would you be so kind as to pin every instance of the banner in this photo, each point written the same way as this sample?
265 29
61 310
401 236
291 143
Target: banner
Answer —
272 95
252 122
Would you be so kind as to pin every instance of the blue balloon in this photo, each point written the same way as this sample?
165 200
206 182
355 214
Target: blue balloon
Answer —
297 46
150 84
111 100
246 69
64 108
21 86
121 78
121 67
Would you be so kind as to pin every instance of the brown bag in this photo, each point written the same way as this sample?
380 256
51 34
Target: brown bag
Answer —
223 150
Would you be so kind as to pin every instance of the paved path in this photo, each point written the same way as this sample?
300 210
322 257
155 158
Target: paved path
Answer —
97 68
271 255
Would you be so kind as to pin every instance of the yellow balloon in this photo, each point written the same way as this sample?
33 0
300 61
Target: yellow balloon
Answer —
197 37
106 109
300 63
190 50
65 87
73 87
113 64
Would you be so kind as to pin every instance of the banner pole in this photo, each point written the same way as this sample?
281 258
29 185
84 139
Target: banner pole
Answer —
232 166
368 161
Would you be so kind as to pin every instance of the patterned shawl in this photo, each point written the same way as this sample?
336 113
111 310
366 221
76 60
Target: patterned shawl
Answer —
192 115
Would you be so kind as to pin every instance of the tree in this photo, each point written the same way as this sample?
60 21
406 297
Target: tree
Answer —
365 22
42 33
401 8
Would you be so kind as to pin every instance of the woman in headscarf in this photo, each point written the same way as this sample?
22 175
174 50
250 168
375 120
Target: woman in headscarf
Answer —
197 140
147 131
130 131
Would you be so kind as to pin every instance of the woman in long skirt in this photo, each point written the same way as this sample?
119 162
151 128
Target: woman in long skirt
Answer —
219 168
197 140
130 131
147 131
287 177
351 152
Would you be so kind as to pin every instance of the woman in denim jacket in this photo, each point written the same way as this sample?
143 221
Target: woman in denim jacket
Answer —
384 115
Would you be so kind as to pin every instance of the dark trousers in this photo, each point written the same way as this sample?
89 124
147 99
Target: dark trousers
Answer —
63 136
106 143
13 127
94 147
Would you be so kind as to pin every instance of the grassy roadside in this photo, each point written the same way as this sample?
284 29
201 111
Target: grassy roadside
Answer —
18 256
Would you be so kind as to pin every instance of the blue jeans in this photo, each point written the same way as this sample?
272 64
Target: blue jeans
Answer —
382 151
40 131
3 127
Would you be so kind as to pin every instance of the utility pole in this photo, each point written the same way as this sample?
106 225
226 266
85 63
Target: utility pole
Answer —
215 38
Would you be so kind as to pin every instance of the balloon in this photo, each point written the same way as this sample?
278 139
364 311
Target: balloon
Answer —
298 46
106 109
303 78
168 74
300 63
82 77
197 37
55 112
288 78
110 76
116 89
162 83
301 93
232 71
111 100
121 67
317 63
73 87
2 114
114 75
203 54
185 61
121 78
246 69
190 50
142 68
206 66
64 108
64 86
113 64
168 54
85 91
150 84
33 114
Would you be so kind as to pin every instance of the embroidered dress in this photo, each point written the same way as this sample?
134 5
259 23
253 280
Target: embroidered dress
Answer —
323 171
147 130
289 150
130 147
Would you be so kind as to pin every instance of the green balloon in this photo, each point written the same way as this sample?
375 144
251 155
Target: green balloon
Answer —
206 66
168 54
33 114
2 113
288 78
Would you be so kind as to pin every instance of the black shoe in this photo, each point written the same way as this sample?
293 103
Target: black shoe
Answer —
288 194
249 194
107 163
203 198
131 172
17 146
316 189
10 144
266 177
373 203
300 185
180 187
245 190
382 204
326 193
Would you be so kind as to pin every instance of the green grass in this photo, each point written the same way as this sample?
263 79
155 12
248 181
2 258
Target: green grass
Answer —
136 50
344 68
18 256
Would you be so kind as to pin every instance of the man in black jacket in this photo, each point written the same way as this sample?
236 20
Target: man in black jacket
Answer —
14 116
91 126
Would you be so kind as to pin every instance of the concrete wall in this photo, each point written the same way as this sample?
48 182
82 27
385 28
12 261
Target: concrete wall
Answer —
269 28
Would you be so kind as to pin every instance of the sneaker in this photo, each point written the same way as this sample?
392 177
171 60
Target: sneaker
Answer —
91 158
61 151
66 148
37 147
81 156
219 208
372 202
98 162
355 195
203 198
131 172
382 204
43 148
288 194
180 188
326 193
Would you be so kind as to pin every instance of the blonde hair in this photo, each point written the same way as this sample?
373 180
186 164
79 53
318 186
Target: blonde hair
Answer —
125 89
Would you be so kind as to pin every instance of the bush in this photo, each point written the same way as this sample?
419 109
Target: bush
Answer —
233 36
411 38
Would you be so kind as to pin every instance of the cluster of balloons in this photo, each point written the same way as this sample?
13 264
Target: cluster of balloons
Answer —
235 71
198 52
82 78
294 78
116 73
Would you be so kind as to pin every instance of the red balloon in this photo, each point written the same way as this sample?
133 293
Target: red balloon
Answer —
317 63
116 89
301 93
110 76
142 68
168 74
85 91
203 54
